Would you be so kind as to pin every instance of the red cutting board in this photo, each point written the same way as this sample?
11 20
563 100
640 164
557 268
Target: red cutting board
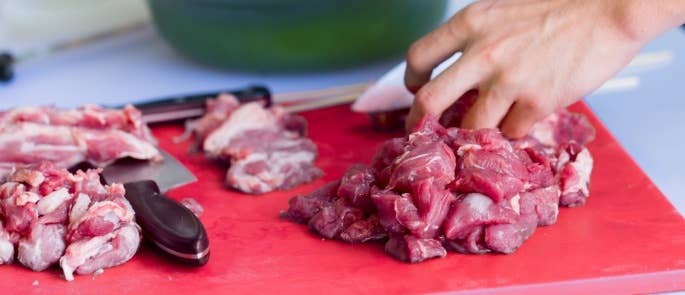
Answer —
626 239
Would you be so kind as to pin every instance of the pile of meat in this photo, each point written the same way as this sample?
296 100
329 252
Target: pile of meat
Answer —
470 191
267 147
68 137
48 215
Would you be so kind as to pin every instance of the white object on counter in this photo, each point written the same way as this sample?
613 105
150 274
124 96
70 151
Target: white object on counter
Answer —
34 23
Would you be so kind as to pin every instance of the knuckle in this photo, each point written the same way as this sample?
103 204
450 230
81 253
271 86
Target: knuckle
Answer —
467 18
535 105
510 80
425 96
414 54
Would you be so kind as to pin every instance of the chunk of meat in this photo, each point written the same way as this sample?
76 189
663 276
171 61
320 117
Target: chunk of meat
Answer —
6 246
287 161
216 111
433 160
100 218
267 148
411 249
475 210
302 208
543 203
356 187
364 230
42 247
433 204
334 218
575 178
383 159
90 255
563 127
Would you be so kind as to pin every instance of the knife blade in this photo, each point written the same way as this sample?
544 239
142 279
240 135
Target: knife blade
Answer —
167 174
389 93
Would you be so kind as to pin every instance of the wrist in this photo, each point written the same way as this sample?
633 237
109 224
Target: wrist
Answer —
643 20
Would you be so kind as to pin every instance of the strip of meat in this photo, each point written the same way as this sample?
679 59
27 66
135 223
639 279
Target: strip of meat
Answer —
68 137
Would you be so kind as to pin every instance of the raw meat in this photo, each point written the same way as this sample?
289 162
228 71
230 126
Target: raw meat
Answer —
469 191
267 148
51 215
68 137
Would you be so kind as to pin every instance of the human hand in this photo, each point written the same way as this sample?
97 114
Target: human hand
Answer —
526 58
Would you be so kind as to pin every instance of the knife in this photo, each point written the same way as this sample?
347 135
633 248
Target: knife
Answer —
182 107
168 225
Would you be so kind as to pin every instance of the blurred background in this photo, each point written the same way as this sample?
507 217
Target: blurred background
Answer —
71 52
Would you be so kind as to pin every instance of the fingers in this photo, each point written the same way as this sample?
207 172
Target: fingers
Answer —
490 108
431 50
445 89
521 118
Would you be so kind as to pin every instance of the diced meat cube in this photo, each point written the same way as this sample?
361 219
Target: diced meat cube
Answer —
386 155
472 211
364 230
356 186
331 220
411 249
302 208
432 160
543 203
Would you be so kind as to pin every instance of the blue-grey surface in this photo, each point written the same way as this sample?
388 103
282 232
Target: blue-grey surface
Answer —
649 119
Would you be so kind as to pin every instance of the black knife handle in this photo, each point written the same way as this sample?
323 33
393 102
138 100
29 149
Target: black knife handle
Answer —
6 67
184 107
167 224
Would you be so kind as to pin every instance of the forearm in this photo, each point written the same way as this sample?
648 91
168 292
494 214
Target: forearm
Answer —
645 19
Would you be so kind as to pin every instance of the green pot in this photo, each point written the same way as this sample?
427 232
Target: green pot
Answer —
294 35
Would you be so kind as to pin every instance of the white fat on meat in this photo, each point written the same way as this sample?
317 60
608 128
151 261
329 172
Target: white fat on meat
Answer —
250 116
477 203
53 200
108 210
543 131
43 247
88 255
6 247
26 198
583 166
468 147
79 208
31 143
126 144
515 202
